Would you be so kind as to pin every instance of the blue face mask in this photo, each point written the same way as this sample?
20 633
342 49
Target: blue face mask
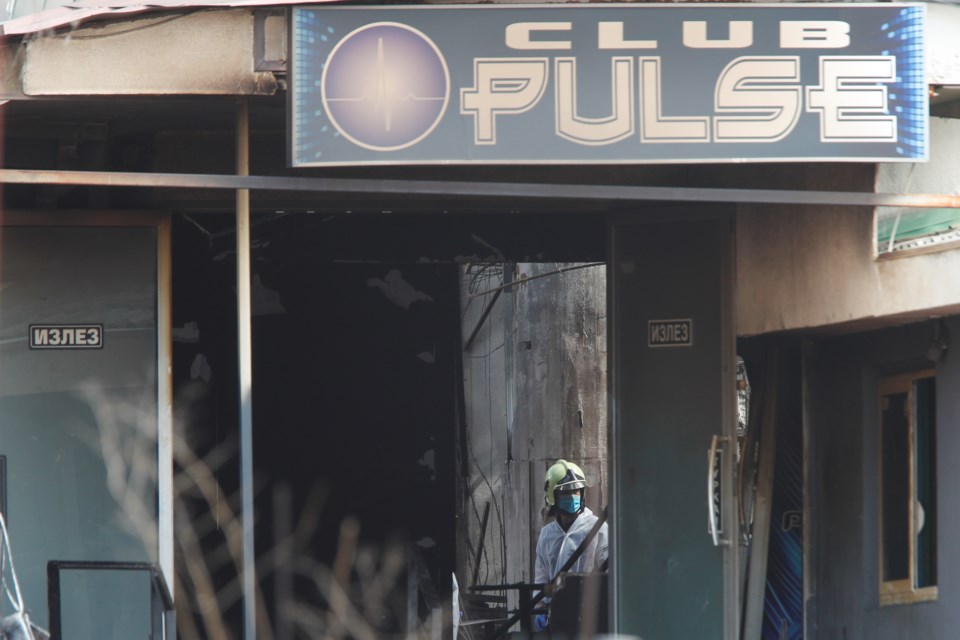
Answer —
570 504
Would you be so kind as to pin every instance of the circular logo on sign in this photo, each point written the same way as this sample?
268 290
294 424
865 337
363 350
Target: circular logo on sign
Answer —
385 86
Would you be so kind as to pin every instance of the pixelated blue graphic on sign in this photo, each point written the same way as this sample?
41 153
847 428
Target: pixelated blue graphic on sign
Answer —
908 97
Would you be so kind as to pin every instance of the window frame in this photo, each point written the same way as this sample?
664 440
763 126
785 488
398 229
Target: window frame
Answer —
902 591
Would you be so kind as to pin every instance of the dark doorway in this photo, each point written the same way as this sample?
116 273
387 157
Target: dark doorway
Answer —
356 356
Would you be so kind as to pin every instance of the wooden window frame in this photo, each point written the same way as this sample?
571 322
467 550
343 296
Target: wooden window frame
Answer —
904 591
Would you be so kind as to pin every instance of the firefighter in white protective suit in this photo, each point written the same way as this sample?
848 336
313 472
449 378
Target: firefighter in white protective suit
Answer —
572 521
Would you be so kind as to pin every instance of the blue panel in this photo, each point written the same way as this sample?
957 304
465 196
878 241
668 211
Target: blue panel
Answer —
783 603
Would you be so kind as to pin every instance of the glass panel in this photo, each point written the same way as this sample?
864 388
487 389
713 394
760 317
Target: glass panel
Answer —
926 482
895 434
78 426
903 229
86 591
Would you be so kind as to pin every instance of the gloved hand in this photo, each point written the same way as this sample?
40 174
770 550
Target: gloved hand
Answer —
541 622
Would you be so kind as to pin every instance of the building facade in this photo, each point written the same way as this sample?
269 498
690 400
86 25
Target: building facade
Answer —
213 357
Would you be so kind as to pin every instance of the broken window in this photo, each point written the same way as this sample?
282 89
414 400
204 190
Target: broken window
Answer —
913 231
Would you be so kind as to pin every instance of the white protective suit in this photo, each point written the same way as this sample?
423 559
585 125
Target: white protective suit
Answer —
555 546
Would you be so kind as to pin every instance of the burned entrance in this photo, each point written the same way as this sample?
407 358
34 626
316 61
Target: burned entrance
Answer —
363 419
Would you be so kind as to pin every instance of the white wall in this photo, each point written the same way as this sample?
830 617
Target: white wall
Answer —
208 53
943 46
940 175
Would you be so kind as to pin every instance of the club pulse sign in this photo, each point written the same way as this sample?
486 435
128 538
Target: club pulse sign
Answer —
608 83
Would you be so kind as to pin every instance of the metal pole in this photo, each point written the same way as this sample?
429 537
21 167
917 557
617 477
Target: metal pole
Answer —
165 490
517 191
244 346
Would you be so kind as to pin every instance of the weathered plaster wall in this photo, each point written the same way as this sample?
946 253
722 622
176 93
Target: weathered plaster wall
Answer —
535 387
560 409
943 47
800 267
940 175
204 53
487 432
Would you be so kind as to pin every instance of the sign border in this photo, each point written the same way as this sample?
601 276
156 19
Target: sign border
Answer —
676 344
74 347
292 66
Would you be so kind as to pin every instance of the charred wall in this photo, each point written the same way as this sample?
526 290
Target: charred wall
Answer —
356 355
842 375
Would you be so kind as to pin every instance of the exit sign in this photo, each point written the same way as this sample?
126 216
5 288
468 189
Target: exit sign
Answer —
670 333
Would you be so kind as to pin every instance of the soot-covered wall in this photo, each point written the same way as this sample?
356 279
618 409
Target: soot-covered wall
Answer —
354 377
842 375
356 367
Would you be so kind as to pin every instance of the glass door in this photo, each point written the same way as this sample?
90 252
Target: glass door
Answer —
80 413
673 384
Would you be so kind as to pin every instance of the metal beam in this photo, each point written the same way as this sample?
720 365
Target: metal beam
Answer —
165 445
244 352
525 191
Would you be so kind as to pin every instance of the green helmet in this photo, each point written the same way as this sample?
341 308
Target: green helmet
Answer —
562 475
